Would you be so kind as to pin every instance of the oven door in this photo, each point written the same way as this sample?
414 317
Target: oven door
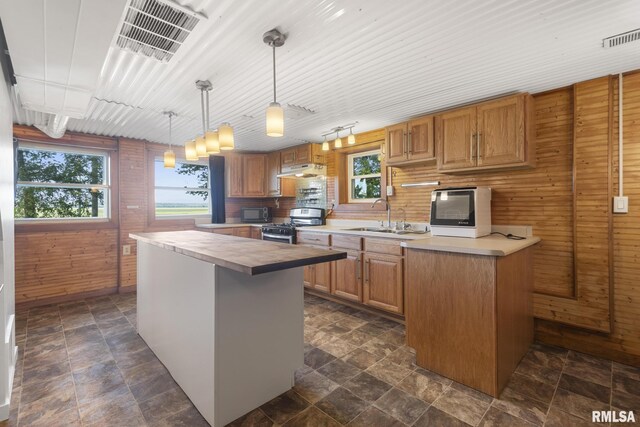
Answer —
277 238
453 208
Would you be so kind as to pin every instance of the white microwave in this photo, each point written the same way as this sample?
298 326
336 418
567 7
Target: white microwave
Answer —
461 212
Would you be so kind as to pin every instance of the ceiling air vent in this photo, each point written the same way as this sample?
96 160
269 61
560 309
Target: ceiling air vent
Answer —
617 40
156 28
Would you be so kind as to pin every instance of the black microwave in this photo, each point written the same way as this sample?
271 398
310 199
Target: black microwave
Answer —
255 215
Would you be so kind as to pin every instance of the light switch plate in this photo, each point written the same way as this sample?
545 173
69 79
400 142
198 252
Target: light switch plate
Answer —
621 204
126 249
389 190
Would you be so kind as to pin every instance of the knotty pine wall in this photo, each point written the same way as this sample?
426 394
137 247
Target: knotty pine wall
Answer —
590 302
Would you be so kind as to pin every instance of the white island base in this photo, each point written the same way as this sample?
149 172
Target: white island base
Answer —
232 341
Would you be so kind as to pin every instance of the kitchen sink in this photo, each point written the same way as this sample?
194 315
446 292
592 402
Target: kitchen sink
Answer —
385 230
376 229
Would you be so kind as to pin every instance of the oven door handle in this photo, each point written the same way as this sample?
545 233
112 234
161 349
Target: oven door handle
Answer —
289 239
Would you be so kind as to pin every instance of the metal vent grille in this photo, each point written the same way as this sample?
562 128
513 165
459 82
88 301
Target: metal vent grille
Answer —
617 40
155 29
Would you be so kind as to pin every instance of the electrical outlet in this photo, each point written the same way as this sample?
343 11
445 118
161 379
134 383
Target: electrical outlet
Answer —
126 249
621 204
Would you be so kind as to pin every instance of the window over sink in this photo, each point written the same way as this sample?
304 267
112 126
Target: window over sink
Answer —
364 176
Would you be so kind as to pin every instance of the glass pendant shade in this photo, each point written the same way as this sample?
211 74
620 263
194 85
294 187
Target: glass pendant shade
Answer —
225 137
190 150
169 159
351 139
325 146
212 142
337 143
201 147
275 120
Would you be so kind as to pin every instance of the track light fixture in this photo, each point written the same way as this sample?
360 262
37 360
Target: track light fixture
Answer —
337 143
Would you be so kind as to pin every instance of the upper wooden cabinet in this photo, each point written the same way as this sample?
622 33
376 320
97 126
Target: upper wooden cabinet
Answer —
246 175
300 154
254 173
410 142
493 134
234 175
277 187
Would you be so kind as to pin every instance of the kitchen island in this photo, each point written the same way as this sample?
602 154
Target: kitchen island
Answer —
224 314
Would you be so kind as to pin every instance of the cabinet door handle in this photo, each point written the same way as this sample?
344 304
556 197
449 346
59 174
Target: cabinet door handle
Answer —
472 142
409 144
478 143
358 268
366 270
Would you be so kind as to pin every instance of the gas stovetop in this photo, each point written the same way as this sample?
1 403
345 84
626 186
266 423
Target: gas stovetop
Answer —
285 229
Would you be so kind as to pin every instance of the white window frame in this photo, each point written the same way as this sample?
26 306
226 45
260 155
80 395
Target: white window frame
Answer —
105 185
161 187
351 176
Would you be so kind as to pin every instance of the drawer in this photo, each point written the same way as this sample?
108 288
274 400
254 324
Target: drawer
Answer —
227 231
346 242
322 239
383 246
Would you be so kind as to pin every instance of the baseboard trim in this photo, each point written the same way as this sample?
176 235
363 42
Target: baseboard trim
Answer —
66 298
127 289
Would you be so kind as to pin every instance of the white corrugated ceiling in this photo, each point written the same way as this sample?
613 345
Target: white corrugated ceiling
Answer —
376 62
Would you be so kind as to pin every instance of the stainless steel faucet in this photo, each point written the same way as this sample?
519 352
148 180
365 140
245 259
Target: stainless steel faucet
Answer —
388 210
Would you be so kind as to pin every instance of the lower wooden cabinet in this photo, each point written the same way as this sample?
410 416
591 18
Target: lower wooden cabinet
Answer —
256 233
384 282
242 231
318 276
228 231
347 276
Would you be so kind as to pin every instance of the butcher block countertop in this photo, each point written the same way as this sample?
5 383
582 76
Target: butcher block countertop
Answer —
241 254
494 245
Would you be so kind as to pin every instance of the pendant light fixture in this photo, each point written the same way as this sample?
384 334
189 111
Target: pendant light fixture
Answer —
275 112
169 156
190 150
351 139
212 140
338 142
325 144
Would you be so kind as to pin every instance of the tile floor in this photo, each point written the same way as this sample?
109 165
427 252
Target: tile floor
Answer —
82 363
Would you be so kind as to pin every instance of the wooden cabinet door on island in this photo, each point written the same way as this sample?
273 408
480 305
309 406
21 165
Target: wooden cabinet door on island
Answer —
383 282
456 139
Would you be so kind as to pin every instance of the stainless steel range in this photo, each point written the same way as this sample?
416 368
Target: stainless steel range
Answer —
300 217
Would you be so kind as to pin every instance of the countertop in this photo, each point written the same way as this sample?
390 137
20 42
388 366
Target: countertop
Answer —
241 254
210 226
493 245
345 230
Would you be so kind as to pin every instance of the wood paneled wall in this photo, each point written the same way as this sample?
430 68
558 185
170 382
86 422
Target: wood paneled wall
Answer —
597 289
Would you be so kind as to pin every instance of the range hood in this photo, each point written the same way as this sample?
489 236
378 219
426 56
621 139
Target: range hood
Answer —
308 170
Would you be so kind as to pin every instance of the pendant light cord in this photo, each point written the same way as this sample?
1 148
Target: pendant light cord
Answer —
208 124
170 116
274 72
202 107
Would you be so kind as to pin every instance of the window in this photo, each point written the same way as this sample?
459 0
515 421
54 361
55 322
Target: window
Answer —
182 191
364 176
62 183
